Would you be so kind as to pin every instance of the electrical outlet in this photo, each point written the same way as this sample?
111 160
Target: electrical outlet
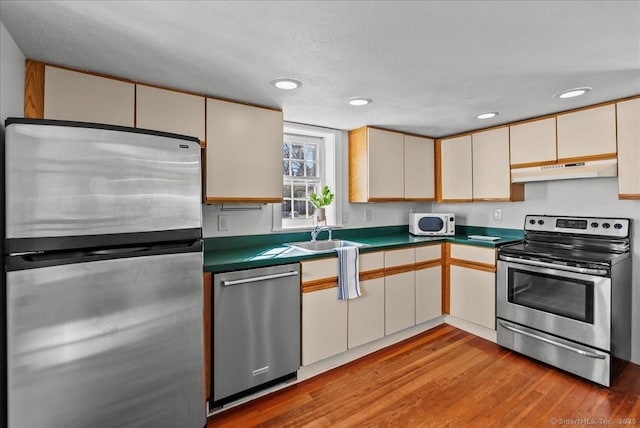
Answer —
223 223
345 216
497 214
367 214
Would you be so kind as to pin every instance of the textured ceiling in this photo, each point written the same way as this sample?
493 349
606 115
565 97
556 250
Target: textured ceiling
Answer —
430 67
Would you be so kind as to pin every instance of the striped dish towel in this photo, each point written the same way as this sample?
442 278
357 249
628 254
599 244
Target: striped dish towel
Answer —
348 281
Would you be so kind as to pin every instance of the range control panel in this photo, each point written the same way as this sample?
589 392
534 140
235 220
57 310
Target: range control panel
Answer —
614 227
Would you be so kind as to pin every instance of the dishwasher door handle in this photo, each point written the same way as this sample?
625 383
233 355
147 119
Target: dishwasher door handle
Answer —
259 278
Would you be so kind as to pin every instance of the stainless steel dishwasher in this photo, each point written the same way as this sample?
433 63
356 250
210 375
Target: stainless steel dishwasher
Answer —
256 330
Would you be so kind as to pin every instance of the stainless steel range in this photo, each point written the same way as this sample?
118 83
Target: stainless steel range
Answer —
564 294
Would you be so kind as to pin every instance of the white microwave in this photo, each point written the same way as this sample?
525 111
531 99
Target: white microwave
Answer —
432 224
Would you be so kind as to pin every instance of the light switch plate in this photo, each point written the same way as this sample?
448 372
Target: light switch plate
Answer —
367 214
223 223
345 216
497 214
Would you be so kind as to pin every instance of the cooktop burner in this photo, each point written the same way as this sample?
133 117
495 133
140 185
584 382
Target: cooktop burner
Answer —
533 250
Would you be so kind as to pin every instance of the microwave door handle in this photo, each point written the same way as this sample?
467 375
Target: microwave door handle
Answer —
553 342
587 271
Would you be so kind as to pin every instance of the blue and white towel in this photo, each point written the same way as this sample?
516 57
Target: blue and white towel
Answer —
348 281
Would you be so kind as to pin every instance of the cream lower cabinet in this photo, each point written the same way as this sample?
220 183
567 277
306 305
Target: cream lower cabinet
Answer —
366 313
399 290
324 317
472 284
629 149
428 282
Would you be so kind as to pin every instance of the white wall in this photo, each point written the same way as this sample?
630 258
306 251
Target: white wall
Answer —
11 77
585 197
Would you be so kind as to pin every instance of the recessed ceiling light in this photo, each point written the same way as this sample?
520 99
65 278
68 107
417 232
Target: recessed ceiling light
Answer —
359 101
487 115
570 93
286 83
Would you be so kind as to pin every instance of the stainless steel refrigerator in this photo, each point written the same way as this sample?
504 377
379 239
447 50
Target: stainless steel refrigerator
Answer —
103 270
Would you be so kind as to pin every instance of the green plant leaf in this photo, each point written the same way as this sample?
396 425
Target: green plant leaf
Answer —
324 199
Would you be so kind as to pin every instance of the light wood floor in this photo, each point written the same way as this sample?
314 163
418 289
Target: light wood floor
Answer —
444 377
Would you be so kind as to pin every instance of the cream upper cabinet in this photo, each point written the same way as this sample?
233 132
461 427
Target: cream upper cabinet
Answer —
243 153
533 142
491 171
170 111
629 149
82 97
456 180
587 133
419 168
376 165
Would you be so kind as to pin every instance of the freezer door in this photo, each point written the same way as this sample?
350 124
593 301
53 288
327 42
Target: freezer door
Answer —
71 181
112 343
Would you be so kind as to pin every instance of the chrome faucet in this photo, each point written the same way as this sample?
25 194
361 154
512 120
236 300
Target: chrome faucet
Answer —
316 231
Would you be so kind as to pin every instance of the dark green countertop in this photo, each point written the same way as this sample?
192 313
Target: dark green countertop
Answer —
245 252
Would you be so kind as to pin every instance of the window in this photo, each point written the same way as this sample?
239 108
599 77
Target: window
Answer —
308 164
302 172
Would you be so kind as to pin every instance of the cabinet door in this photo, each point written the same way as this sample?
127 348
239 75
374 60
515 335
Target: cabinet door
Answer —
324 325
587 133
456 181
170 111
366 313
244 153
399 302
419 172
533 142
473 295
71 95
428 293
491 171
629 149
386 164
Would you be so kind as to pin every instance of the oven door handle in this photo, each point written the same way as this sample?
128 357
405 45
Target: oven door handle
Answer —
587 271
553 342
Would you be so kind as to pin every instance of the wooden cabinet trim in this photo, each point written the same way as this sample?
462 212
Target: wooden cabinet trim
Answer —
605 156
207 333
371 274
358 173
446 278
472 265
419 199
399 269
533 164
386 199
629 196
428 264
243 200
34 89
320 284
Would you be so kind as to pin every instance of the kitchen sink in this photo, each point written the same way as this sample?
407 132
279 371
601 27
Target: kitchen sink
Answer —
323 246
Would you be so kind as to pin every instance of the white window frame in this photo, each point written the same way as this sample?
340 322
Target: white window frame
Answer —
331 161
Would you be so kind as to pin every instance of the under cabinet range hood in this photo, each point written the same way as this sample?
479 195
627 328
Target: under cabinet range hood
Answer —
566 171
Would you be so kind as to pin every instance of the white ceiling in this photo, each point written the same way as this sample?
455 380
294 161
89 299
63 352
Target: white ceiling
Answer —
429 66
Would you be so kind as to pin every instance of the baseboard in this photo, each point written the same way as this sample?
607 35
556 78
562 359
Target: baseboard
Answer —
469 327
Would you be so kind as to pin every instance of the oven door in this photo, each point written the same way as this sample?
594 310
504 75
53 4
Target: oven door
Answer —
572 305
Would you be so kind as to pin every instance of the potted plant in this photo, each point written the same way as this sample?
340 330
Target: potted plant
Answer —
321 201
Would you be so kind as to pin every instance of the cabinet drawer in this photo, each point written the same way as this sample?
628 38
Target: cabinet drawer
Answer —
319 269
474 254
371 261
402 257
428 253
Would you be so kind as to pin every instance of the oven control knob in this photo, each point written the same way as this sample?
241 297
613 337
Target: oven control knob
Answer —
532 221
617 226
540 222
606 225
594 224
